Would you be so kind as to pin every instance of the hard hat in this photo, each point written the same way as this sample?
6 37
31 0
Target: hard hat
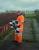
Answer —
18 13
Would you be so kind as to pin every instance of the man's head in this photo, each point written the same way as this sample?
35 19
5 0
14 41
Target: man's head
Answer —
19 13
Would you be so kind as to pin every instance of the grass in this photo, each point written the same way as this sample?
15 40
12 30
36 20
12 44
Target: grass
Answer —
1 39
5 33
33 31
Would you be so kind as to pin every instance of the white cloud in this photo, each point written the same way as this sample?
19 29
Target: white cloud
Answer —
28 1
6 5
18 4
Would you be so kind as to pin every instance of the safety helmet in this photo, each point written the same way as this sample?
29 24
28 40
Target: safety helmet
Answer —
19 13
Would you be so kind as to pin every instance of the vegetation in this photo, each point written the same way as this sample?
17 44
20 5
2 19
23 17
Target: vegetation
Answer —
6 33
37 15
33 31
2 37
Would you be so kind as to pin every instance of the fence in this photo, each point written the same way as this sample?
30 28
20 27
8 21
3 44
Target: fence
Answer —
4 28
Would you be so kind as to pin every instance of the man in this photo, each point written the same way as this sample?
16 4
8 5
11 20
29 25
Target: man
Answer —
18 35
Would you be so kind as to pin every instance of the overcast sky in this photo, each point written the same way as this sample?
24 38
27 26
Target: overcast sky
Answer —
19 5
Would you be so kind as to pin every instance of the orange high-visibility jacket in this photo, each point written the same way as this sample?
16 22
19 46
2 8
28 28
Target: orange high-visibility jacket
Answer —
18 37
20 19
